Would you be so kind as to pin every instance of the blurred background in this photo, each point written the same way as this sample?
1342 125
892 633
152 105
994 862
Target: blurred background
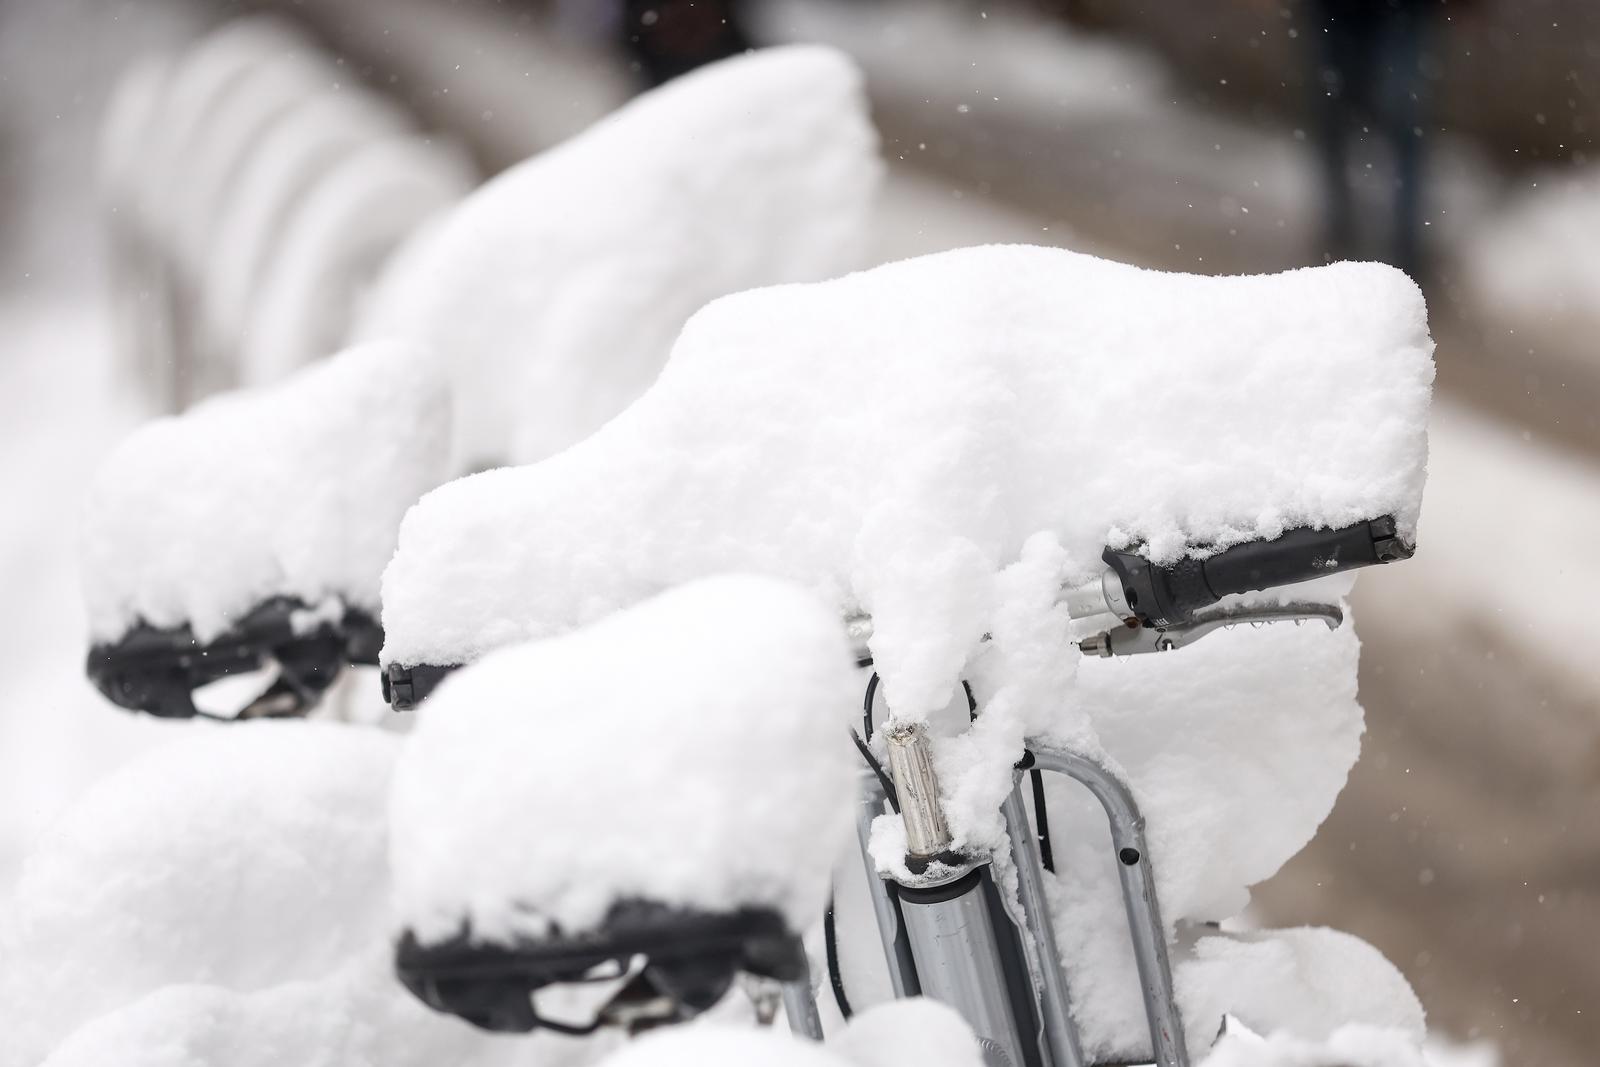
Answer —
1216 136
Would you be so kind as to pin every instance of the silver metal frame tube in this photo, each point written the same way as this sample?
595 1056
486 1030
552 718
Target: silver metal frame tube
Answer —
1055 1002
1138 897
958 962
896 952
800 1005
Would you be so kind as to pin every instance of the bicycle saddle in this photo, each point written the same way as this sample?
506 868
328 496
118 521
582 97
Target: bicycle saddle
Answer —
250 532
662 792
668 964
897 436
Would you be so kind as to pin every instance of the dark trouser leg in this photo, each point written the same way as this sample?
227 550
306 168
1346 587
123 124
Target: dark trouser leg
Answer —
1340 43
1401 110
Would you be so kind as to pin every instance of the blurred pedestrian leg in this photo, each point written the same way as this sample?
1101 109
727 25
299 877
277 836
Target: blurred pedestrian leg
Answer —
1369 74
666 38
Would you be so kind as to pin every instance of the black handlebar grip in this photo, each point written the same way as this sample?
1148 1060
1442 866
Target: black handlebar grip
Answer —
1170 595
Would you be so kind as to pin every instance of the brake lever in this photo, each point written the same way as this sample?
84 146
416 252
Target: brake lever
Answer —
1133 640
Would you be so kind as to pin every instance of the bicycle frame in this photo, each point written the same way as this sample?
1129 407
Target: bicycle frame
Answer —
942 942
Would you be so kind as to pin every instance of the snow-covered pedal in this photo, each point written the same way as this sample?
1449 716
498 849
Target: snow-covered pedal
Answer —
1162 608
240 544
607 828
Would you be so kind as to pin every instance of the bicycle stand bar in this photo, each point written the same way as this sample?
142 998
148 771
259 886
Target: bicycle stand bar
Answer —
896 948
1055 1005
1145 927
800 1005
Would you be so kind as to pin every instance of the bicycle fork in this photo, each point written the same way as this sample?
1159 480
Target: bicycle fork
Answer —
951 939
964 951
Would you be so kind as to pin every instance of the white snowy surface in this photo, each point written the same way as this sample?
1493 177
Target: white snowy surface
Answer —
689 751
902 1033
295 489
918 1030
356 1016
1355 1045
555 291
1308 981
242 857
723 1046
1236 750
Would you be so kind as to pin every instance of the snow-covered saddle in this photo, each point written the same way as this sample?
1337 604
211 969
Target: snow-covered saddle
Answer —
255 529
668 785
248 534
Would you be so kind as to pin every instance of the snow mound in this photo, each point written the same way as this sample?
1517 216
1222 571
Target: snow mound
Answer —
689 751
555 291
711 1045
240 857
1308 981
1356 1045
918 1030
928 418
356 1017
902 1032
1235 750
293 490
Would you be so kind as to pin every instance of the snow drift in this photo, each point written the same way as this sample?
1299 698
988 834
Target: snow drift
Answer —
689 751
555 291
240 858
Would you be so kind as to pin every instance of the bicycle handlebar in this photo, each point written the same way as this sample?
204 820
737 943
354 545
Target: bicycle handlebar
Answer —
1170 595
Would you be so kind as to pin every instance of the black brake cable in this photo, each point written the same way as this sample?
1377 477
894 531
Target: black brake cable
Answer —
877 770
830 948
1041 817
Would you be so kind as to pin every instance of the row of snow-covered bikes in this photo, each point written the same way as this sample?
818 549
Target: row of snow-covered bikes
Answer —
297 217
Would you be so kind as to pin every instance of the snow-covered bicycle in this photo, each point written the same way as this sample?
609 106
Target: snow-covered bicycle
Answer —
945 926
797 467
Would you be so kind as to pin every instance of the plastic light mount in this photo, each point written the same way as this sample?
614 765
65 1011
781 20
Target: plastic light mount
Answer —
1163 597
690 960
157 670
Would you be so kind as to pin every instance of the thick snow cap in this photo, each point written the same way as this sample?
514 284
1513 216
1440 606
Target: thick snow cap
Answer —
238 858
555 291
689 751
895 437
291 490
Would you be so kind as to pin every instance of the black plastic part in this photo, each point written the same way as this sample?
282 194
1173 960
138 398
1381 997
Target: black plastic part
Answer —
405 688
1041 816
691 957
938 894
157 670
1169 596
830 950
